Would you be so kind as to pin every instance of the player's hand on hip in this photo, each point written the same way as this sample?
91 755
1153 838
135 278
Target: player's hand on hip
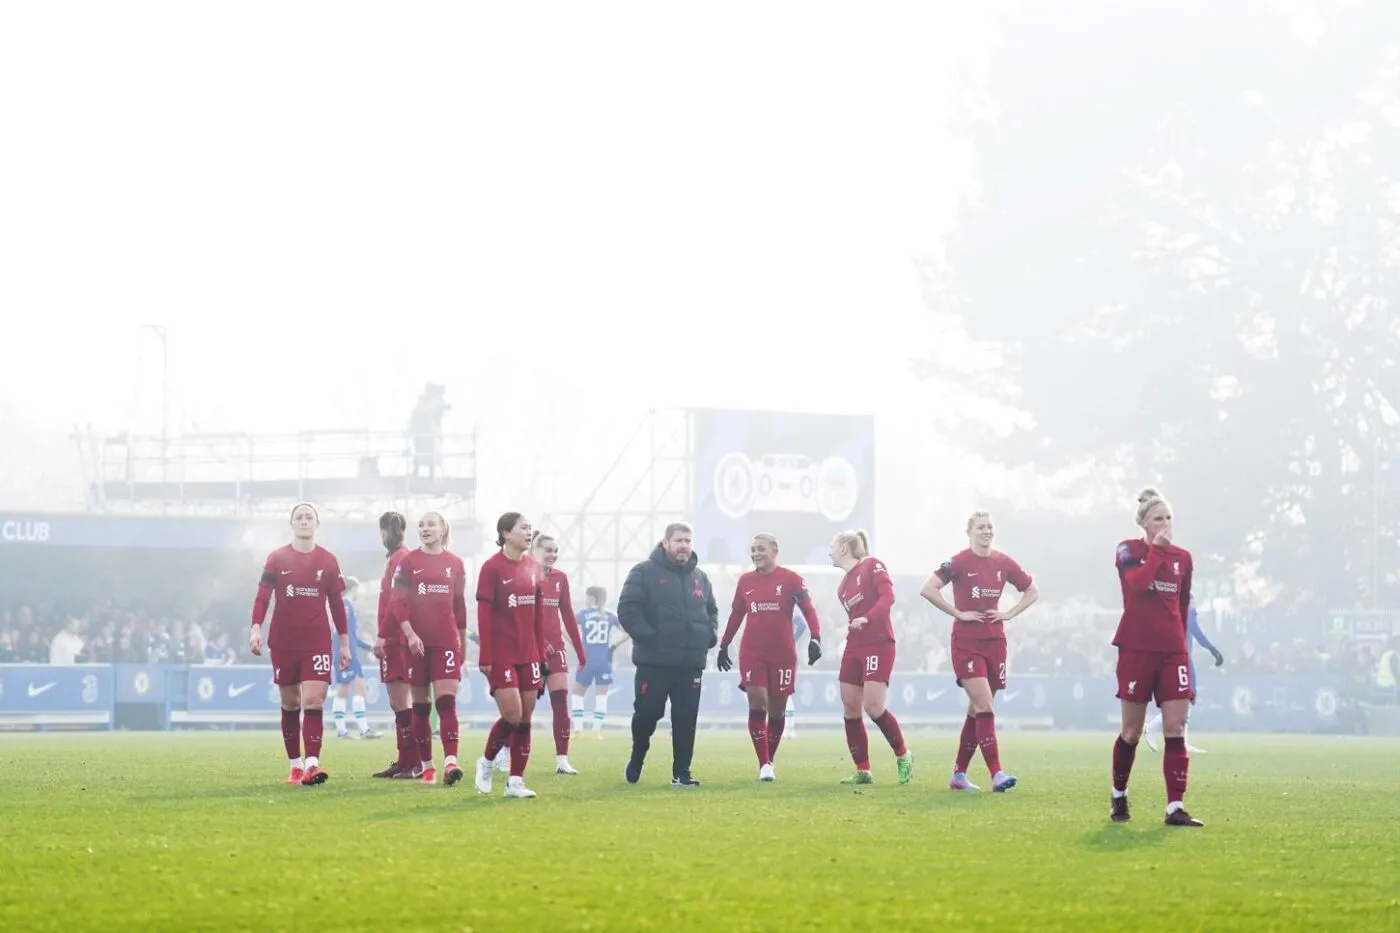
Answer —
255 640
859 622
378 648
814 651
415 644
968 615
344 656
993 617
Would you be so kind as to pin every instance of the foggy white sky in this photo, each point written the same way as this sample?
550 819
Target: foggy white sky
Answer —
584 209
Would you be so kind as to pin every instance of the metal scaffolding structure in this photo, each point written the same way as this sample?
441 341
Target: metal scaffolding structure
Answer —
601 540
348 474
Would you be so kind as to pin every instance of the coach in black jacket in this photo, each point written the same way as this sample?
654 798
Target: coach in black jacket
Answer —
668 607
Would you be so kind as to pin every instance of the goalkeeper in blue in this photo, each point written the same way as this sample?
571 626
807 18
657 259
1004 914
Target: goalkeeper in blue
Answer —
799 628
1197 637
350 683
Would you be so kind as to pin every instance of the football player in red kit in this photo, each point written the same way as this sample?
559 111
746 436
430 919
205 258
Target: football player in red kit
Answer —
304 577
429 606
560 624
979 575
1155 575
510 625
767 596
867 595
393 655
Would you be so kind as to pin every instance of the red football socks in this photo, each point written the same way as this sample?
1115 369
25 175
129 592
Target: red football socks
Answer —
291 733
423 731
403 732
1175 764
313 725
859 743
967 745
776 726
447 724
520 748
559 702
987 741
758 734
890 727
1123 755
498 738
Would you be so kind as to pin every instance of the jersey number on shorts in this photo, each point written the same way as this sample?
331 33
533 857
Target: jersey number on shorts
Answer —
534 670
1001 671
449 658
321 663
784 677
872 664
1183 676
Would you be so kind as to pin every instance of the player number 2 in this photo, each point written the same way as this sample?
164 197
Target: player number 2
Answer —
321 663
1001 671
784 677
872 664
1183 676
449 657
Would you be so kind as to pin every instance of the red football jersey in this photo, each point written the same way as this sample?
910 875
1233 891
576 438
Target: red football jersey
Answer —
977 586
510 620
430 592
866 590
387 630
302 583
768 600
558 609
1156 584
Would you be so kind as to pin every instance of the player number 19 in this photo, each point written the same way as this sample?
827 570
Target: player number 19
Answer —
784 677
1183 676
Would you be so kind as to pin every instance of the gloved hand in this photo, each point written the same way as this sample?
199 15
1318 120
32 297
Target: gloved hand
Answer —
1219 658
544 670
814 651
723 662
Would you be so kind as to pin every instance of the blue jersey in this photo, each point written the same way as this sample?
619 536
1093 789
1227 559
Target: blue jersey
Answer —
596 626
352 625
799 626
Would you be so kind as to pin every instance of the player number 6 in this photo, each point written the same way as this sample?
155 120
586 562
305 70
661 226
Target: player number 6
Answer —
1183 676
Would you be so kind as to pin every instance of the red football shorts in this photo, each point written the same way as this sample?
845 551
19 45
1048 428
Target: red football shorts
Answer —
777 677
984 658
299 666
393 667
522 677
435 664
867 664
1147 675
557 660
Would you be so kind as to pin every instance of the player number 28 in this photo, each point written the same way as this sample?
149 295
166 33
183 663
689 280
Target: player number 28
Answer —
321 663
1183 675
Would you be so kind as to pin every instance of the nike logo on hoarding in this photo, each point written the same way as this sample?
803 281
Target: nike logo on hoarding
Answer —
239 691
36 691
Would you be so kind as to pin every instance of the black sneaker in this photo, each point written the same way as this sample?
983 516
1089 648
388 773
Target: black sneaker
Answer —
1119 812
1181 818
634 771
410 774
389 772
684 780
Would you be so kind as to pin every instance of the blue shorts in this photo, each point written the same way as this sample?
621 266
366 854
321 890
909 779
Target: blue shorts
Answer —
588 676
356 672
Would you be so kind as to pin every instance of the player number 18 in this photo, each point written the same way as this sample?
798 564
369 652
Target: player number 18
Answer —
872 664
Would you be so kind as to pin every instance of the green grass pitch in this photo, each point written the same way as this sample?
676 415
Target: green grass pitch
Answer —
195 831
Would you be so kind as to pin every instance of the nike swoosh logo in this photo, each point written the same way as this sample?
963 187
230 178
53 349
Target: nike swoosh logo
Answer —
1008 697
935 694
36 691
417 571
285 572
239 691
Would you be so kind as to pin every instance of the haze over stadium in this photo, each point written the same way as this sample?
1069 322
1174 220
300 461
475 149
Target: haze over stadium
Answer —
613 303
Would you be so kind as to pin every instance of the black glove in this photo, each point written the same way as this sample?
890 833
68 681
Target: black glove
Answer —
814 651
1219 658
544 670
723 662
